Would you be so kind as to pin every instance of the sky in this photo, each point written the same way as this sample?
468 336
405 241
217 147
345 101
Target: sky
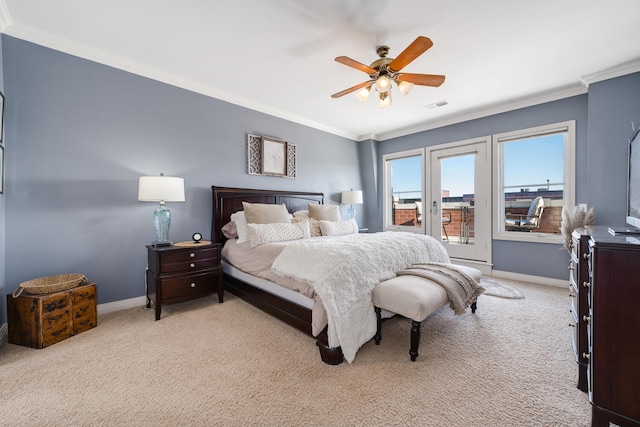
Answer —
529 164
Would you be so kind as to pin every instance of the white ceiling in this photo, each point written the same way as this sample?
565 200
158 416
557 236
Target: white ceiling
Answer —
277 56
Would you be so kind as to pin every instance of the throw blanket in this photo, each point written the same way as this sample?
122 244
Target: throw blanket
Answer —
344 270
461 289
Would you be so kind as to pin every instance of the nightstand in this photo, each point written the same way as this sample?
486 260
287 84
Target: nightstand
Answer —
176 274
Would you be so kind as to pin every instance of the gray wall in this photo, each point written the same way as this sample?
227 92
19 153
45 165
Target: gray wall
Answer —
79 136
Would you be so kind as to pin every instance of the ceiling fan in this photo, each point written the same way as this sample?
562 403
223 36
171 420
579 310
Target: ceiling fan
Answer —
384 71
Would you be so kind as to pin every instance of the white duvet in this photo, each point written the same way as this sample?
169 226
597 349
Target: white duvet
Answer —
344 272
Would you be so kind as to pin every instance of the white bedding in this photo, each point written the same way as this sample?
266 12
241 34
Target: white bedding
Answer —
344 270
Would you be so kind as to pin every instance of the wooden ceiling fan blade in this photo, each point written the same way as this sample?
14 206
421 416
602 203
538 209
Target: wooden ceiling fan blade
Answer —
355 64
353 89
415 49
422 79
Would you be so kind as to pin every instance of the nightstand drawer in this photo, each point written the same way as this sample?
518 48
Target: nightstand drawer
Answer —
192 265
188 286
187 255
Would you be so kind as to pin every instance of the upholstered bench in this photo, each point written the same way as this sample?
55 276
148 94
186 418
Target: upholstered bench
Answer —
414 298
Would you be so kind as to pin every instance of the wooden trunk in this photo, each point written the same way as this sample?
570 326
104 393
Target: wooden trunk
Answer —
39 321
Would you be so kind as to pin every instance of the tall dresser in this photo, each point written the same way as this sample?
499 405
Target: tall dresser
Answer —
614 328
579 291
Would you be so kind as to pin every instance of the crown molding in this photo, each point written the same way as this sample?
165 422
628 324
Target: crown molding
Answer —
613 72
485 112
5 17
80 50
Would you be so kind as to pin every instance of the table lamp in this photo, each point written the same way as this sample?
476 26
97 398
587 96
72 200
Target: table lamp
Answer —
161 189
351 198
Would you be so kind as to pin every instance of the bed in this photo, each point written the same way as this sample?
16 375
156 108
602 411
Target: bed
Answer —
289 307
342 267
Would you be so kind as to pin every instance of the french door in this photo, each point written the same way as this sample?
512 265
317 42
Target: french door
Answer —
459 202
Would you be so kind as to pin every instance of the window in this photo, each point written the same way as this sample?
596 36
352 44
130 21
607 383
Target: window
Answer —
534 174
404 180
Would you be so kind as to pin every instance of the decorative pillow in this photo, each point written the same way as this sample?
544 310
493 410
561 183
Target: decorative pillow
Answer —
259 234
230 231
339 228
260 213
314 225
324 212
301 214
240 220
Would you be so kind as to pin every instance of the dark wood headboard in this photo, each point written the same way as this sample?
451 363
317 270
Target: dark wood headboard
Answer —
227 200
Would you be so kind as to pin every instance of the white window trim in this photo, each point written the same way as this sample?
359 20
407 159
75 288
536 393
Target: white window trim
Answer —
388 199
499 232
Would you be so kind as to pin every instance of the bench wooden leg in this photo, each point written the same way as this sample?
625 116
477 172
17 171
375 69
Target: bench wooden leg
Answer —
474 306
415 339
378 335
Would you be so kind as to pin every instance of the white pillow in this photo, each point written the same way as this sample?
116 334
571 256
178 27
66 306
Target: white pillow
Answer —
339 228
261 213
241 226
324 212
301 214
314 225
259 234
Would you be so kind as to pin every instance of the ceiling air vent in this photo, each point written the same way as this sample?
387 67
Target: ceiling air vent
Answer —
436 104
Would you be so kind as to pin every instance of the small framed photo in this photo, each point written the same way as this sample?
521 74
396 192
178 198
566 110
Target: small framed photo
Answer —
1 169
274 157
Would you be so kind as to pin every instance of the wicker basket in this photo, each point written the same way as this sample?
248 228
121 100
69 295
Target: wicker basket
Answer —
50 284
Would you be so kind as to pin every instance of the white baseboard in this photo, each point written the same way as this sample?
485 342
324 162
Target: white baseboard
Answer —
110 307
559 283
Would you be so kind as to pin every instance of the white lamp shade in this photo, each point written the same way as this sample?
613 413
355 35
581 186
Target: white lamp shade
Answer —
161 189
352 197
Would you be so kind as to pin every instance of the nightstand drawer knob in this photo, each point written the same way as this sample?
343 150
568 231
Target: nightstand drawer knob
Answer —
586 318
192 265
586 355
193 285
586 284
192 255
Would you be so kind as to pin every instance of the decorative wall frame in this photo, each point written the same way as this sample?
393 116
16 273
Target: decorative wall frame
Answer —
271 157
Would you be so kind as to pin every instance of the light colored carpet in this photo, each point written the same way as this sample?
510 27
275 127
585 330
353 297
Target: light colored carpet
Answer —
204 363
499 289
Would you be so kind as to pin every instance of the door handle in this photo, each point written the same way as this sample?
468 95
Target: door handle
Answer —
435 207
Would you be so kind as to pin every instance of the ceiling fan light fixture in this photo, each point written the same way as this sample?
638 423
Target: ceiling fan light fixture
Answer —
385 99
405 87
363 94
383 84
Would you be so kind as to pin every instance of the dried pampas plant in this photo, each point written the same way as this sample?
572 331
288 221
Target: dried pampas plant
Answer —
572 218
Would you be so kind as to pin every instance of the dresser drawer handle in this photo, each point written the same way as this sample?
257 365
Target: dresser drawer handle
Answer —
586 355
586 255
586 318
56 318
83 294
193 285
84 309
192 265
586 284
191 255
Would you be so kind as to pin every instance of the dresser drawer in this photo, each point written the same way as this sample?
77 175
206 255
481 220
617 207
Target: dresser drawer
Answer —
189 286
56 318
85 294
56 334
57 302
